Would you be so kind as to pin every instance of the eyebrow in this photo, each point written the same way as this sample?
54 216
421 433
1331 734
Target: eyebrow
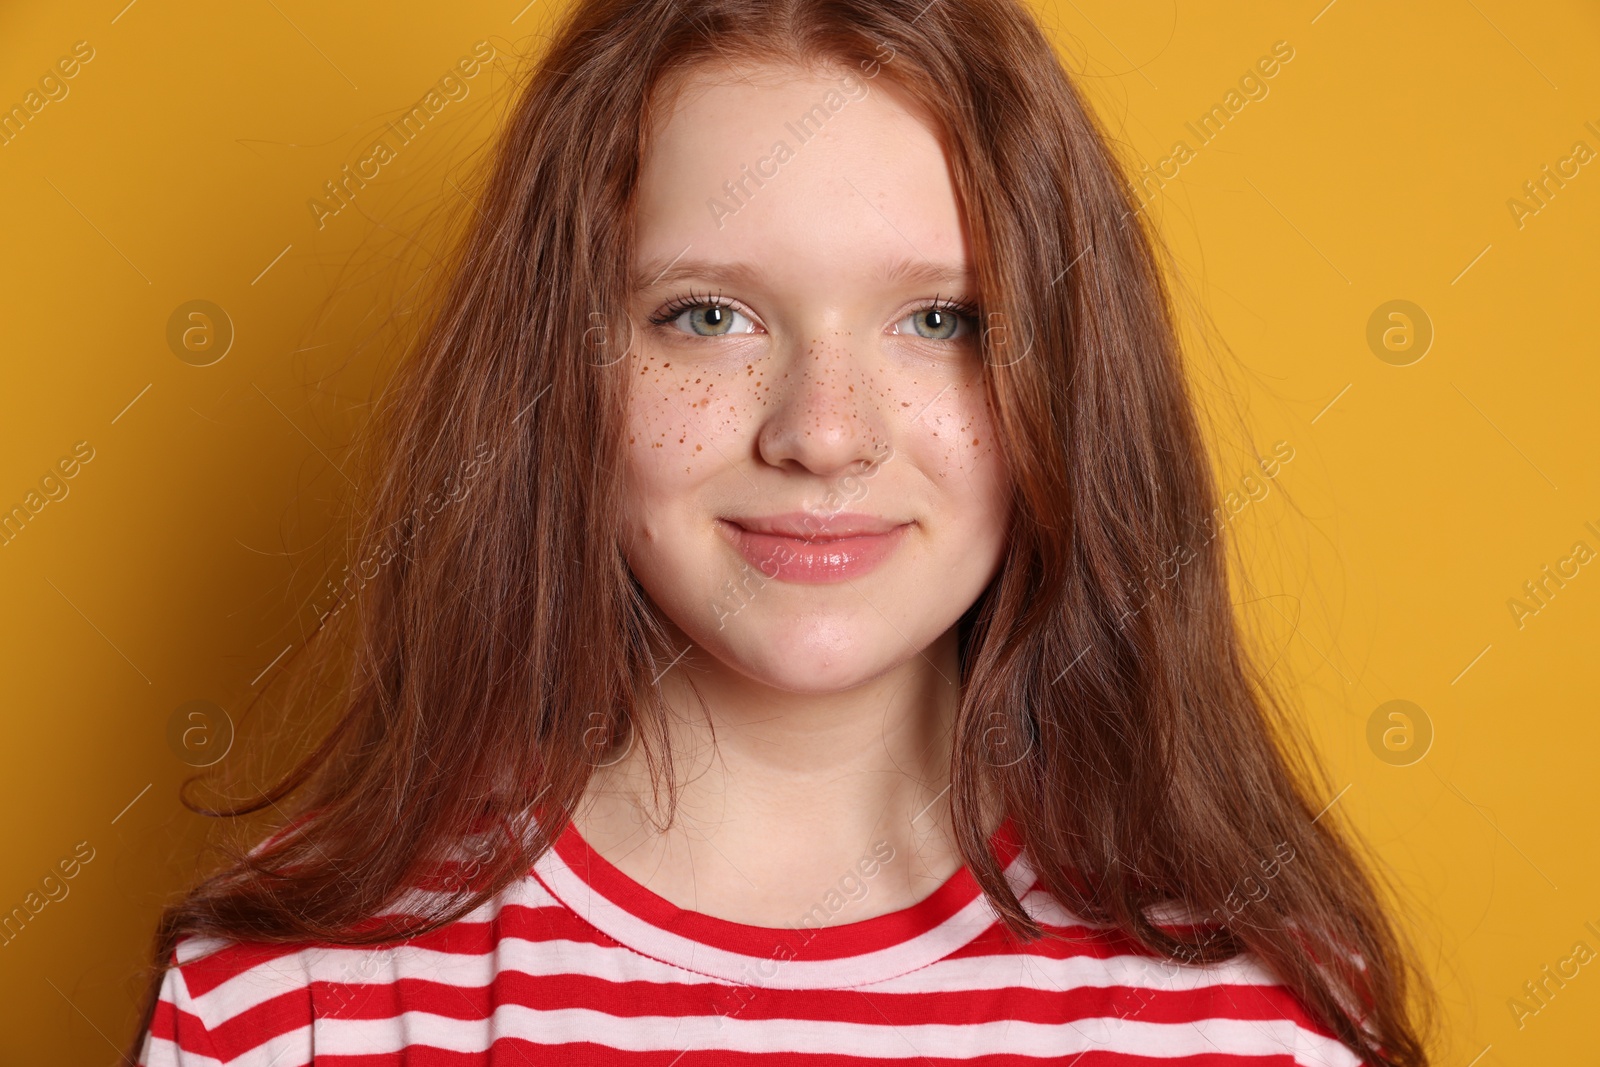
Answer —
739 273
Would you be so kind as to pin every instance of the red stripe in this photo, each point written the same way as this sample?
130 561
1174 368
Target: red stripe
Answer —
641 999
231 960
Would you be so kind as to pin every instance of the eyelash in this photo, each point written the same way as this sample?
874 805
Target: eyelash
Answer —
679 304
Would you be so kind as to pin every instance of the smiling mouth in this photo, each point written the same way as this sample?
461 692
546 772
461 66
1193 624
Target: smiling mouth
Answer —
809 551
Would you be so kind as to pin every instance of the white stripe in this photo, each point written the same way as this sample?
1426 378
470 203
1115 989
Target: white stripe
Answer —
775 971
192 947
1237 1037
1007 971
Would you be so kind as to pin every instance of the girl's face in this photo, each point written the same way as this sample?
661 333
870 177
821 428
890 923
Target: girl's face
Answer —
814 490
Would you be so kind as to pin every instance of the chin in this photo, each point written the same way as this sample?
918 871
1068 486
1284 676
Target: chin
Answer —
808 656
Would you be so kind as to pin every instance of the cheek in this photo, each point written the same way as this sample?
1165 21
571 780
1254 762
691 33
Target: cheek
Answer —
957 436
684 421
962 458
669 409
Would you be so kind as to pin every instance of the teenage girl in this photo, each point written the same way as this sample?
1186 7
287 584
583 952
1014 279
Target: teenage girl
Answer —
791 624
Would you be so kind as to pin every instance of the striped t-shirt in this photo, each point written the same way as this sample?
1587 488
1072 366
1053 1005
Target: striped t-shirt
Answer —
577 963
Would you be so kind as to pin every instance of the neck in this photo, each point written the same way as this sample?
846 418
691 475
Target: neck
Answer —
781 794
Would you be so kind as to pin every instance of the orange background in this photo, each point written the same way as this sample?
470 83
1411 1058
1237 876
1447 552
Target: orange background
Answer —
184 554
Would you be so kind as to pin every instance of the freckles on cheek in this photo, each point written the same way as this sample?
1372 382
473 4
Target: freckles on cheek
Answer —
683 412
959 432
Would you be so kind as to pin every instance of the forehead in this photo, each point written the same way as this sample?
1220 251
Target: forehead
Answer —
820 168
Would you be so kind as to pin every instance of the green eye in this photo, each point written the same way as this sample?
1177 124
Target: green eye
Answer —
937 322
711 320
703 317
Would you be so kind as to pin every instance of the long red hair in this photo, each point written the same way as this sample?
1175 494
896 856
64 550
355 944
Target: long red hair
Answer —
498 647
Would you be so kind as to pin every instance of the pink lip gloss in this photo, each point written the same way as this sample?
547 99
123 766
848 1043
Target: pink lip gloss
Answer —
816 561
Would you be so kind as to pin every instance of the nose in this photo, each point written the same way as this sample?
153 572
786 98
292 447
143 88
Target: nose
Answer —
823 414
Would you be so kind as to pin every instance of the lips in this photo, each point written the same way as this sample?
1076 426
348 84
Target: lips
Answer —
807 548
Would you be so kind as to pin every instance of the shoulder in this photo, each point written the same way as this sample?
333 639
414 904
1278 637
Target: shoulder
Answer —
249 1005
227 1002
1135 1001
246 1004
